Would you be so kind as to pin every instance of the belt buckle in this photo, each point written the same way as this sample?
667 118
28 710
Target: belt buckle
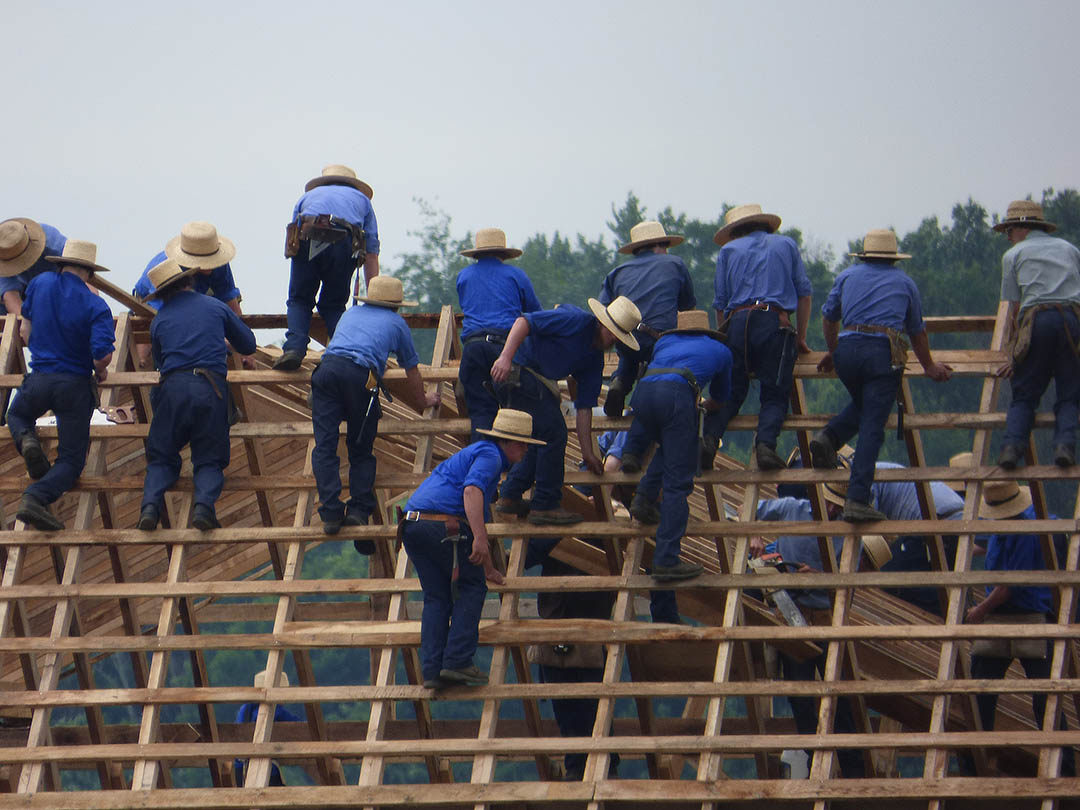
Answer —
412 516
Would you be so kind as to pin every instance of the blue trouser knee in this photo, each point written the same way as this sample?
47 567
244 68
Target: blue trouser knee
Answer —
187 410
449 628
71 397
1050 357
864 366
477 357
333 269
338 393
543 467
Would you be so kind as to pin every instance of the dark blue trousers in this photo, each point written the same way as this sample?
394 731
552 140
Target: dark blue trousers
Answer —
575 716
864 366
630 360
187 410
449 628
477 357
758 346
73 399
1050 357
543 467
332 269
338 394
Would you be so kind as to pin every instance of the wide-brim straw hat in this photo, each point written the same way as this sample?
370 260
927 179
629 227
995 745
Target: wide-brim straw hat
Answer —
960 461
338 175
836 491
1025 214
260 679
621 317
877 549
742 215
514 425
693 322
22 241
386 291
650 232
880 243
1004 499
80 254
491 241
165 274
199 245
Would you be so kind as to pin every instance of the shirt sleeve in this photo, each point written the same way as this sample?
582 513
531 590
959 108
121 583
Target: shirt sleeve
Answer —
405 351
28 300
529 301
223 284
831 309
607 292
720 287
371 231
687 298
484 471
102 332
240 337
720 386
803 287
1010 288
913 322
16 283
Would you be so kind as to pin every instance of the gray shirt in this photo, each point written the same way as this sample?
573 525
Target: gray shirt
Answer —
799 550
1041 270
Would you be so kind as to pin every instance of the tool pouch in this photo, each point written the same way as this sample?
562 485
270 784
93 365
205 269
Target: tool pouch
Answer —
1021 341
566 656
359 243
1011 647
898 348
292 239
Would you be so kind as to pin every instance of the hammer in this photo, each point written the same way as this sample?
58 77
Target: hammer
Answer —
454 539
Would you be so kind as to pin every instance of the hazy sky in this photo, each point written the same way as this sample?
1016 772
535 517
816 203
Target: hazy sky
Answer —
122 121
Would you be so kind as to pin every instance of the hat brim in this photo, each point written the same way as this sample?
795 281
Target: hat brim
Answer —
28 258
671 240
723 236
225 253
511 436
1006 509
877 549
1033 224
600 311
876 255
505 253
170 282
707 332
60 260
340 180
379 302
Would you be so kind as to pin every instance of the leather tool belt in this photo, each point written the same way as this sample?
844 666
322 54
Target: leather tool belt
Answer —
210 376
898 342
498 338
763 306
1021 342
323 228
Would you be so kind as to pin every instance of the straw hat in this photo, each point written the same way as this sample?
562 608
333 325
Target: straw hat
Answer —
877 549
80 254
165 274
386 291
260 679
836 491
650 232
1026 214
337 175
960 461
740 216
22 241
491 240
621 317
880 244
200 246
514 425
694 322
1004 499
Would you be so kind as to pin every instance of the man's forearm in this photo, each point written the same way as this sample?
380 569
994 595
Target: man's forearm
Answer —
474 511
802 317
583 423
13 302
831 331
417 395
371 267
518 332
920 344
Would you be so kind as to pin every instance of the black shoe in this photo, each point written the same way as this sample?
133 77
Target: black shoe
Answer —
148 518
513 506
768 459
709 445
204 518
858 512
289 361
332 526
37 463
556 516
616 397
1011 457
466 676
822 452
365 547
434 683
680 570
631 463
644 511
36 513
1064 455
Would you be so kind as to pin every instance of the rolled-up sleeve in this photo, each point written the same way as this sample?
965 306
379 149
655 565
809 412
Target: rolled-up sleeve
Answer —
102 333
720 287
831 309
913 321
1010 288
371 232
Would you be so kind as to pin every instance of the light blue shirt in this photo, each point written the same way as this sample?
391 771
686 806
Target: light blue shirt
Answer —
342 202
659 285
367 335
875 294
705 357
762 267
493 295
899 500
798 550
218 283
54 246
1041 270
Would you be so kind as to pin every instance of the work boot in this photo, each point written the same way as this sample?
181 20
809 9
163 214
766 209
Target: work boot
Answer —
148 518
35 512
858 512
37 463
365 547
332 526
631 462
1064 455
822 452
709 445
1012 456
680 570
556 516
644 511
616 397
204 519
519 507
289 361
466 676
434 683
767 458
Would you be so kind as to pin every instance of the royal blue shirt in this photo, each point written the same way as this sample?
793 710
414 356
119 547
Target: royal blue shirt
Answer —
343 202
480 465
218 283
54 246
875 294
1019 552
659 285
367 334
190 331
797 550
559 345
763 267
706 358
247 714
70 327
493 295
899 500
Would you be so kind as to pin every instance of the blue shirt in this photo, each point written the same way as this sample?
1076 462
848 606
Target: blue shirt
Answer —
760 267
899 500
190 331
612 442
247 714
493 295
218 283
480 465
54 246
1019 552
343 202
367 334
560 345
798 550
875 294
70 327
708 360
659 285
